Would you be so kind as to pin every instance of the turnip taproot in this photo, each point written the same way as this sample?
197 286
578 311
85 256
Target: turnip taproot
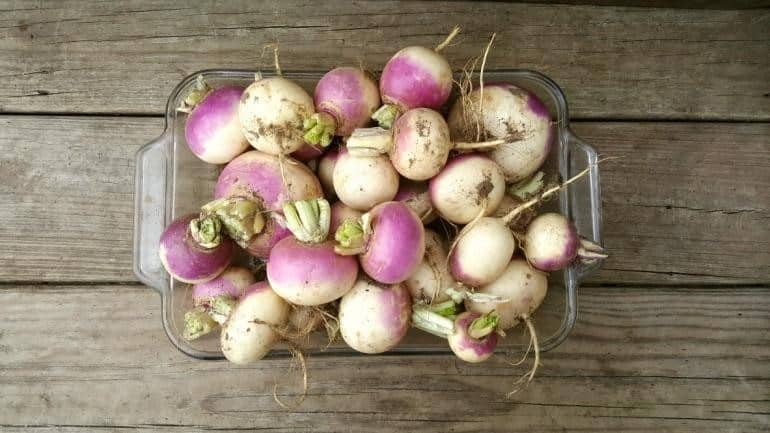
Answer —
551 243
471 336
194 251
486 234
374 317
250 331
362 182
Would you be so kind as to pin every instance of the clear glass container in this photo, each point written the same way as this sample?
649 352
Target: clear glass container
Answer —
171 181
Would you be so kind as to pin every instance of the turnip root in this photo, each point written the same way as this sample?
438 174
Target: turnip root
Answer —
341 213
250 331
212 129
304 269
552 243
510 113
272 113
418 143
345 98
390 241
325 172
213 301
362 182
416 196
486 234
308 153
471 336
374 317
193 251
469 185
266 184
414 77
431 278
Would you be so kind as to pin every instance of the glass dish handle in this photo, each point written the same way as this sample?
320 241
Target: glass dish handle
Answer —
586 214
150 212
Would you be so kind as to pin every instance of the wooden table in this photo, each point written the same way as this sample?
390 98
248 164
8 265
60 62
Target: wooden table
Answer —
672 334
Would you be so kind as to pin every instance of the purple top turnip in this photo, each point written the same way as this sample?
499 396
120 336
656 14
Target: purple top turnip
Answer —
468 186
272 112
390 239
473 337
214 300
414 77
186 259
486 234
362 182
552 243
232 282
345 98
511 113
373 317
212 130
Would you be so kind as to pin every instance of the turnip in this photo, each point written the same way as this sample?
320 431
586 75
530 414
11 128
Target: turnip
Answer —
266 183
510 113
471 336
250 331
431 278
416 196
193 251
341 213
414 77
272 113
390 241
325 171
469 185
487 234
212 129
374 317
362 182
345 98
308 153
304 269
551 243
213 301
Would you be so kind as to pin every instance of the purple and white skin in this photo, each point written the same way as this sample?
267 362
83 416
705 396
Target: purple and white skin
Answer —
250 331
214 300
471 336
256 178
374 317
345 98
325 171
304 269
469 185
308 153
212 129
389 239
418 143
551 242
429 281
193 251
362 182
486 234
521 286
341 213
272 112
414 77
416 196
513 114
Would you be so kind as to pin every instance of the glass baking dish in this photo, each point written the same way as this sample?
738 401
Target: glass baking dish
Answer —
171 181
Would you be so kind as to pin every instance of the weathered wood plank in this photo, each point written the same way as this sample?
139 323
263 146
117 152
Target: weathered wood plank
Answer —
684 359
125 57
687 202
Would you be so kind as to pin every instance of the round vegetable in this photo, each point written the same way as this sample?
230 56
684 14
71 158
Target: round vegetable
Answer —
325 171
194 257
249 333
486 234
362 182
232 282
468 185
428 282
212 130
473 338
552 243
374 317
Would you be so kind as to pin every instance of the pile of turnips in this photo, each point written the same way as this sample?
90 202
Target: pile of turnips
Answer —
357 239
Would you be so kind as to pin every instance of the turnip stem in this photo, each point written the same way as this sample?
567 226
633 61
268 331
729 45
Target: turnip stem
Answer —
430 322
377 139
483 326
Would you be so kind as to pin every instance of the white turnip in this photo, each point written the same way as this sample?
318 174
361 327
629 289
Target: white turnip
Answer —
362 182
551 243
489 235
431 278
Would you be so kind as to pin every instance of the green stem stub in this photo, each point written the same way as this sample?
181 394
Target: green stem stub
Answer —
446 309
221 307
197 94
352 234
308 220
528 188
484 325
241 218
197 323
319 129
206 231
433 323
386 115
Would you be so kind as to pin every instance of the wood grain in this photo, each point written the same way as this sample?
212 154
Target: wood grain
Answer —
686 203
639 63
639 360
